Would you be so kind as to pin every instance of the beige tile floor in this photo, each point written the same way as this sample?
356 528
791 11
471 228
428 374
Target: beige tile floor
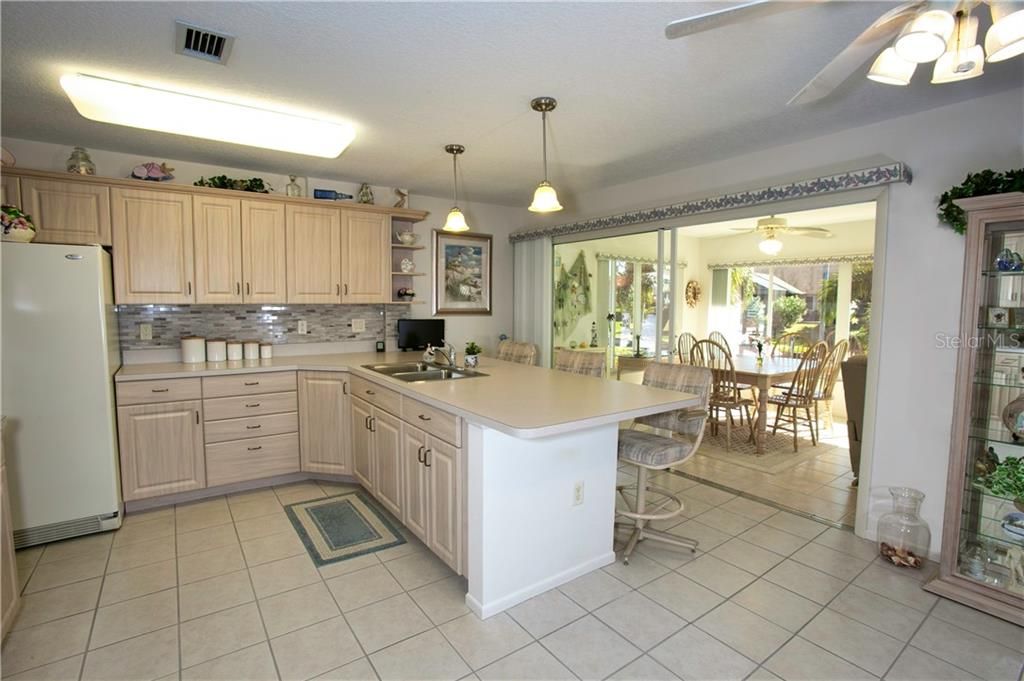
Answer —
222 590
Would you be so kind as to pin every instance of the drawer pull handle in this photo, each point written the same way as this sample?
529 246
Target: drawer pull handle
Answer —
256 448
419 454
254 404
370 392
424 417
373 422
344 388
159 390
252 382
366 422
256 427
426 457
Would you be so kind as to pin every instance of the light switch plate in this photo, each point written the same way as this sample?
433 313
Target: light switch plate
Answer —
358 325
145 331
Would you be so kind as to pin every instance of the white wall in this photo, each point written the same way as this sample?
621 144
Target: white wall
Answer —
922 268
482 217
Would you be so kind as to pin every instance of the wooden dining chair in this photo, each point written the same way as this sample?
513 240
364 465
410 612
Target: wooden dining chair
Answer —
581 363
827 381
719 338
790 345
520 353
684 345
799 395
725 392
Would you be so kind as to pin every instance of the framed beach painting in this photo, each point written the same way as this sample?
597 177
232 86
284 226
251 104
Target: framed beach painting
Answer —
462 273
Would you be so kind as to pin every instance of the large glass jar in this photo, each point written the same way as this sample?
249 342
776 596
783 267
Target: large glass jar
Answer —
903 537
79 162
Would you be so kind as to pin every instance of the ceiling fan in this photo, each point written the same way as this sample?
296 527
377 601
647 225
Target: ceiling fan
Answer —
944 32
769 228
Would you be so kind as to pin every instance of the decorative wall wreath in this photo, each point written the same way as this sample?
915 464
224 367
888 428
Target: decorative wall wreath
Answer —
692 293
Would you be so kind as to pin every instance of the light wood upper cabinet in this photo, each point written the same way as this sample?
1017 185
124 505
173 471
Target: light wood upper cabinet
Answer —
362 443
445 484
67 212
218 249
263 252
153 248
324 422
387 448
161 449
10 191
366 257
416 479
313 249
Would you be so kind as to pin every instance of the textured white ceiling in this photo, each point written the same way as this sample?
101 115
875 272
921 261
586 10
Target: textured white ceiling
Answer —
413 77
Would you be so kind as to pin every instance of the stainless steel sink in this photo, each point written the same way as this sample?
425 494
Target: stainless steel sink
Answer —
421 371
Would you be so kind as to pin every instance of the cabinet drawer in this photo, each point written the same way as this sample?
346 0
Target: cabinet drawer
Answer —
254 405
248 384
168 390
253 426
439 423
385 398
259 457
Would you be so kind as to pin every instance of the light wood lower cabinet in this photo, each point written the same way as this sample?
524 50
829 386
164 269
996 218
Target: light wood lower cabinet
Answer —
324 422
433 493
67 212
10 600
417 485
153 247
161 449
362 442
387 447
251 459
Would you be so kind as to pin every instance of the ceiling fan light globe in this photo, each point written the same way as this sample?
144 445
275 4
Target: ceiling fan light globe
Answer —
545 199
1005 39
456 221
770 246
924 39
891 69
960 65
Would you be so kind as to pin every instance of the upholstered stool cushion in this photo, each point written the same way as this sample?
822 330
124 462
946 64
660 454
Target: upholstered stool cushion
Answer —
651 450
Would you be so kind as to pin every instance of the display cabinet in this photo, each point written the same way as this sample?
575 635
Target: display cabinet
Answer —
982 562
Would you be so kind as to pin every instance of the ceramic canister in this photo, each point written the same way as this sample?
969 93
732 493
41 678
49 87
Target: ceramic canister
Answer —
251 349
216 350
193 349
266 351
234 350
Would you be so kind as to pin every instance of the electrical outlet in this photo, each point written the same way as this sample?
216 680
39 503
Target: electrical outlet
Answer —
145 331
358 325
577 493
303 327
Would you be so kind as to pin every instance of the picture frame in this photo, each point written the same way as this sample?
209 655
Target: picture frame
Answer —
998 318
462 273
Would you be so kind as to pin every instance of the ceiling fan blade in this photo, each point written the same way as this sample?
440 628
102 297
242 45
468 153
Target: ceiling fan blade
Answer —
743 230
864 47
731 15
814 232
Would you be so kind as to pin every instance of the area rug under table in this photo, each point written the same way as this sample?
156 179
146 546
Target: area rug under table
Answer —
345 526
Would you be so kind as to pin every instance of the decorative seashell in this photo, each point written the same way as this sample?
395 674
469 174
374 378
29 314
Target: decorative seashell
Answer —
155 172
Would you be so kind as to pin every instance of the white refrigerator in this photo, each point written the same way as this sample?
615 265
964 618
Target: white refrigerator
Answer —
59 351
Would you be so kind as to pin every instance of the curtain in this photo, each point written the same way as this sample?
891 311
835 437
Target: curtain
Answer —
532 286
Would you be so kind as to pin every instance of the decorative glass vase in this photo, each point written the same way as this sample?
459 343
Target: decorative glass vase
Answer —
903 537
79 162
292 188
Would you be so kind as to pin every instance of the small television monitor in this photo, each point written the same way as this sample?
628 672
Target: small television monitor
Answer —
416 334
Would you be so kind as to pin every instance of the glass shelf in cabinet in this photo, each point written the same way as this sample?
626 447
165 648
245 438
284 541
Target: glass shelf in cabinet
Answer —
1002 273
1000 435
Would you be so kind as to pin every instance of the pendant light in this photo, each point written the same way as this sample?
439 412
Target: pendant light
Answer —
545 199
1005 39
456 221
964 57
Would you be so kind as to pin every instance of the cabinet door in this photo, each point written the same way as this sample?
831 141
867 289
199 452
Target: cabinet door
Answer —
362 443
263 252
10 191
387 452
153 251
366 257
218 249
414 482
445 484
67 212
324 422
313 238
161 449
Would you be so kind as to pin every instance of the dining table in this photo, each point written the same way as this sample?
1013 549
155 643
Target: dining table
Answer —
763 375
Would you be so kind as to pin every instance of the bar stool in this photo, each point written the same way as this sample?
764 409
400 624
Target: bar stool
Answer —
658 442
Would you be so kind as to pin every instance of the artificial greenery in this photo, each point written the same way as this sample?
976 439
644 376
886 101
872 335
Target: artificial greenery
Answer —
253 184
473 349
1007 480
985 183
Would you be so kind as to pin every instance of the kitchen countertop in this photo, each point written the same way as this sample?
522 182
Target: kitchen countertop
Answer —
522 401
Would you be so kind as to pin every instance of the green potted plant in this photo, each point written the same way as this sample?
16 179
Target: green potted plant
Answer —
17 225
472 354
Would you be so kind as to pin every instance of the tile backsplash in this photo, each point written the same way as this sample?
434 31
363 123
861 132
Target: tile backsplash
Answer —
273 323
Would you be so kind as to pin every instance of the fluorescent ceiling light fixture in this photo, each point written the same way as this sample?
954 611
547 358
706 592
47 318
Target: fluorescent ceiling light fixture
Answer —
924 39
891 69
770 245
137 106
1005 39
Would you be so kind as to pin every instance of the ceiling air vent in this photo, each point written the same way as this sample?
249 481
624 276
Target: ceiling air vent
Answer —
201 43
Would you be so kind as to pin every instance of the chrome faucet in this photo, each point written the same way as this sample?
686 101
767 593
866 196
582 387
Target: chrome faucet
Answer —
449 353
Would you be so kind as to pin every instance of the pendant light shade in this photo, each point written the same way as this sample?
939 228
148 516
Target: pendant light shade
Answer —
964 57
456 221
891 69
770 245
1005 39
924 39
545 199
